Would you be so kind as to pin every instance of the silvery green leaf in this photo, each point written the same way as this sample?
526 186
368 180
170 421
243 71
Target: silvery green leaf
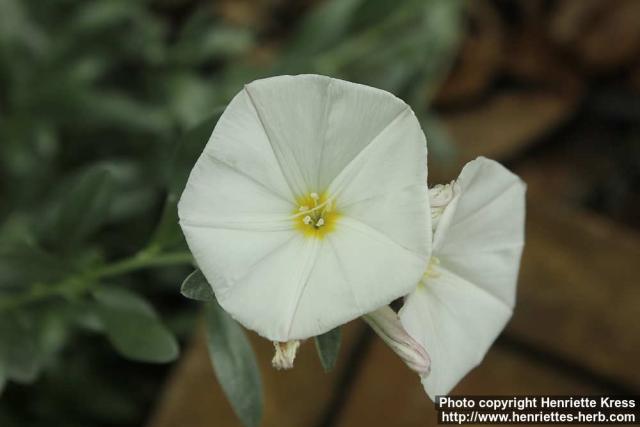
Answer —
83 206
184 156
23 262
133 327
3 376
328 346
188 149
234 364
196 287
18 348
323 26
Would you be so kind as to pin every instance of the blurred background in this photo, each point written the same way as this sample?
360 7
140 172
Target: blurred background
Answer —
105 103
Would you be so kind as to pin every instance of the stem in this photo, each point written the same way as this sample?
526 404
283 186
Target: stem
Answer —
140 261
78 284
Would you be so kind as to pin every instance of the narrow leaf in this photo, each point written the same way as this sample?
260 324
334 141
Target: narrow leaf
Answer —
179 164
3 376
187 150
328 346
133 327
234 364
323 26
83 206
18 348
196 287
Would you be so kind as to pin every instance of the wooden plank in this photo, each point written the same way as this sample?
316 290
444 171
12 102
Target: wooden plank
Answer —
501 128
193 398
507 123
603 35
579 293
386 392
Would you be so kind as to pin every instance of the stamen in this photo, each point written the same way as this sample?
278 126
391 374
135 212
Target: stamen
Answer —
315 214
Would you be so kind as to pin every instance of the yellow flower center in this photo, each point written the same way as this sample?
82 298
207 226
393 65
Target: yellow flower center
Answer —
316 215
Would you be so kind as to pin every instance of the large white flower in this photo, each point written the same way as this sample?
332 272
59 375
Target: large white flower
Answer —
468 293
308 201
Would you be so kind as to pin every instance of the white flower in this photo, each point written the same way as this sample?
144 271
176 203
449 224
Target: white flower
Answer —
468 292
307 203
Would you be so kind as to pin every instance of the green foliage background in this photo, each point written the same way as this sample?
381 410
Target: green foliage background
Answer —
104 106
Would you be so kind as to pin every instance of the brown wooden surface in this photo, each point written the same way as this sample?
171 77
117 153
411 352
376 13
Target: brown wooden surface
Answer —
579 291
387 393
298 397
578 298
507 123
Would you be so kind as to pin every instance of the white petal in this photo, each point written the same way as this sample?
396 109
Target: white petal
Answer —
292 111
370 261
265 297
317 125
218 194
237 252
481 232
239 141
353 269
358 114
456 322
384 186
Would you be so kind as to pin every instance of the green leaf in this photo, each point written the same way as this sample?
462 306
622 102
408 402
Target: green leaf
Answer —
196 287
203 40
234 364
133 327
133 194
323 26
424 34
167 235
328 346
192 98
23 262
83 206
117 109
99 16
18 348
3 376
186 152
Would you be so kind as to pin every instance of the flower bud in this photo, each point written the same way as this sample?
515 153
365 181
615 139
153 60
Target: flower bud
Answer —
386 324
439 197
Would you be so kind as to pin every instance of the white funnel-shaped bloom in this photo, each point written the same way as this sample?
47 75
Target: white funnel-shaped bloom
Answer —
468 292
307 207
